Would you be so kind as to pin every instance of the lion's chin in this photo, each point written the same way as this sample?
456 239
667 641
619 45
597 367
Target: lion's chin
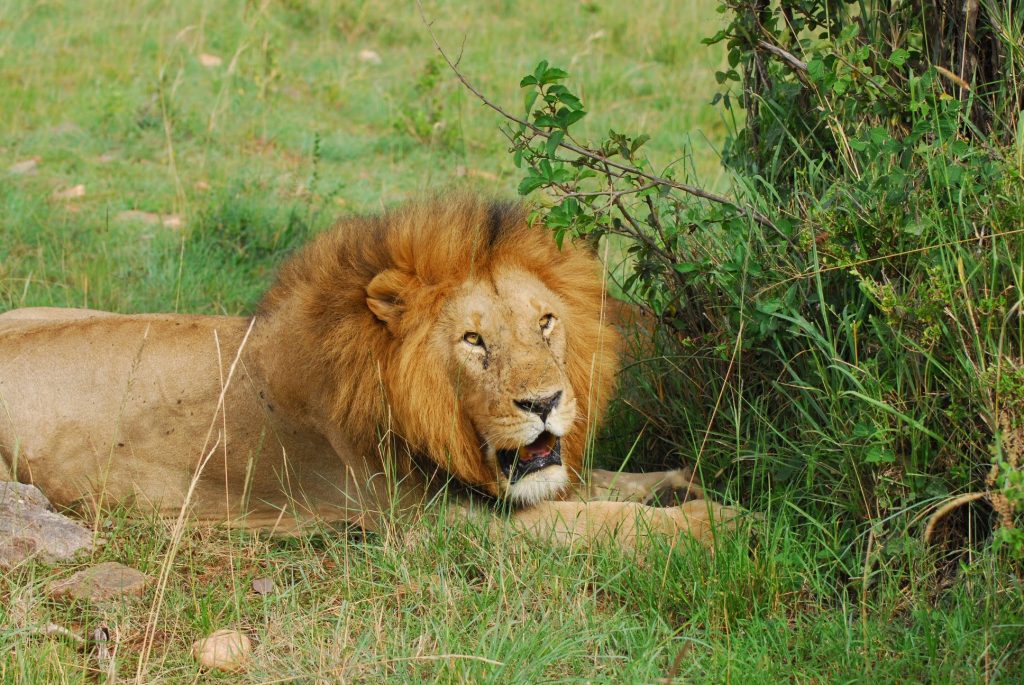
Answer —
543 484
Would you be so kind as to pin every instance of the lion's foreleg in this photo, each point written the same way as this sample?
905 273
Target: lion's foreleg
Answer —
625 523
657 488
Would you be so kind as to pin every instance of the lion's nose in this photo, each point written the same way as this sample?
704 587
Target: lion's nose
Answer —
541 406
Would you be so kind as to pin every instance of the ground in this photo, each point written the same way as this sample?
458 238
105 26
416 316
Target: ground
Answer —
166 157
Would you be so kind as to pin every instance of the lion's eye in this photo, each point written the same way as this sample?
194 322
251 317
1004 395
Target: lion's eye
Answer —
473 339
546 322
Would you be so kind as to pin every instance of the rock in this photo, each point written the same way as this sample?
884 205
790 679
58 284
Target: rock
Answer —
209 61
29 527
262 586
223 650
167 220
26 166
71 193
101 583
370 57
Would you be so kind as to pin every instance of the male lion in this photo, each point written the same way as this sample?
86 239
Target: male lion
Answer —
445 346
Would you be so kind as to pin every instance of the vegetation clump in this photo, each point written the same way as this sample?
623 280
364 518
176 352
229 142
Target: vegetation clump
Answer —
846 325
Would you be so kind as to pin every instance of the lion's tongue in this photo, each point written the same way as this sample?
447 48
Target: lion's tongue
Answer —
540 447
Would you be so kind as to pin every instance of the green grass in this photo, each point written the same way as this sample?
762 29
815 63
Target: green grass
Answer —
290 124
290 130
452 605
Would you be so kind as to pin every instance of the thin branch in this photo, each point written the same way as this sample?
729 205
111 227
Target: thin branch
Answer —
789 58
592 154
655 221
613 194
642 237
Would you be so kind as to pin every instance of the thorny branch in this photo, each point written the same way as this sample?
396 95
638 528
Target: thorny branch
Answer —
592 155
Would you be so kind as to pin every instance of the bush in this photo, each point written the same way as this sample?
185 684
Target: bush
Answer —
847 325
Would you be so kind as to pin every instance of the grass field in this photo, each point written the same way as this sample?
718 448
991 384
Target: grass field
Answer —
288 129
165 157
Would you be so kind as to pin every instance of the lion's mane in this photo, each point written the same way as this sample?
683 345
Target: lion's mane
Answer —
386 378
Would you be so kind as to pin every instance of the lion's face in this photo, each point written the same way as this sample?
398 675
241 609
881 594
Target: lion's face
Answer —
463 333
504 339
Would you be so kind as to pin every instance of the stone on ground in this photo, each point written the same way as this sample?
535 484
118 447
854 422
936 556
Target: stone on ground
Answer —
101 583
223 650
29 527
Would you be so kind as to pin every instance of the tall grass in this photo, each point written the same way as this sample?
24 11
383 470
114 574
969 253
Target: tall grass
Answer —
847 324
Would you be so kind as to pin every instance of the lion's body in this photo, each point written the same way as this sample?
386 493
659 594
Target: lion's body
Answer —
353 393
104 409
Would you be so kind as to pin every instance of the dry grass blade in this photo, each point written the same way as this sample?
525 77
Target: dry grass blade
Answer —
178 529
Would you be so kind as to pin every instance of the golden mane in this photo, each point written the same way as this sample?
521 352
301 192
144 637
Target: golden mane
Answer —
380 377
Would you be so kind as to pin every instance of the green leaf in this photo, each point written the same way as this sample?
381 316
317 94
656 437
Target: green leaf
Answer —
863 430
571 101
816 69
879 135
899 57
572 117
538 71
715 38
553 74
553 141
879 455
561 175
528 99
530 184
546 121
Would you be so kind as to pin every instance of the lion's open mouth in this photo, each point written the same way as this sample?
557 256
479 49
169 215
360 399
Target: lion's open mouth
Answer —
545 451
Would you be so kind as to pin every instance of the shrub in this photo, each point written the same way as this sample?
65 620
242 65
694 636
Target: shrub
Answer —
847 324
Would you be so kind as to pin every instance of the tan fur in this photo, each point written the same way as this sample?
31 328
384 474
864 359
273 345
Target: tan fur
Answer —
352 394
408 263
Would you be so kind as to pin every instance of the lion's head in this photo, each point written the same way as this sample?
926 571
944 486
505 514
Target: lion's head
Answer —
464 329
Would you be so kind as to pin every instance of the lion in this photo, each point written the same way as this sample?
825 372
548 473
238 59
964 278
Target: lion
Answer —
446 347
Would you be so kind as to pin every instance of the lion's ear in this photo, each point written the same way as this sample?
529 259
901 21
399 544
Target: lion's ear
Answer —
384 296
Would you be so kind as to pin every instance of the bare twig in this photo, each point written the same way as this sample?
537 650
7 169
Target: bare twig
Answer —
789 58
655 221
592 154
178 528
639 234
613 194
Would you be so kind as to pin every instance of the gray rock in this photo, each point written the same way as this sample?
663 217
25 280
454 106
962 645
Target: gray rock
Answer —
29 527
101 583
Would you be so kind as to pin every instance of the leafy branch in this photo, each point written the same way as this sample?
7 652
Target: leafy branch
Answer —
553 127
